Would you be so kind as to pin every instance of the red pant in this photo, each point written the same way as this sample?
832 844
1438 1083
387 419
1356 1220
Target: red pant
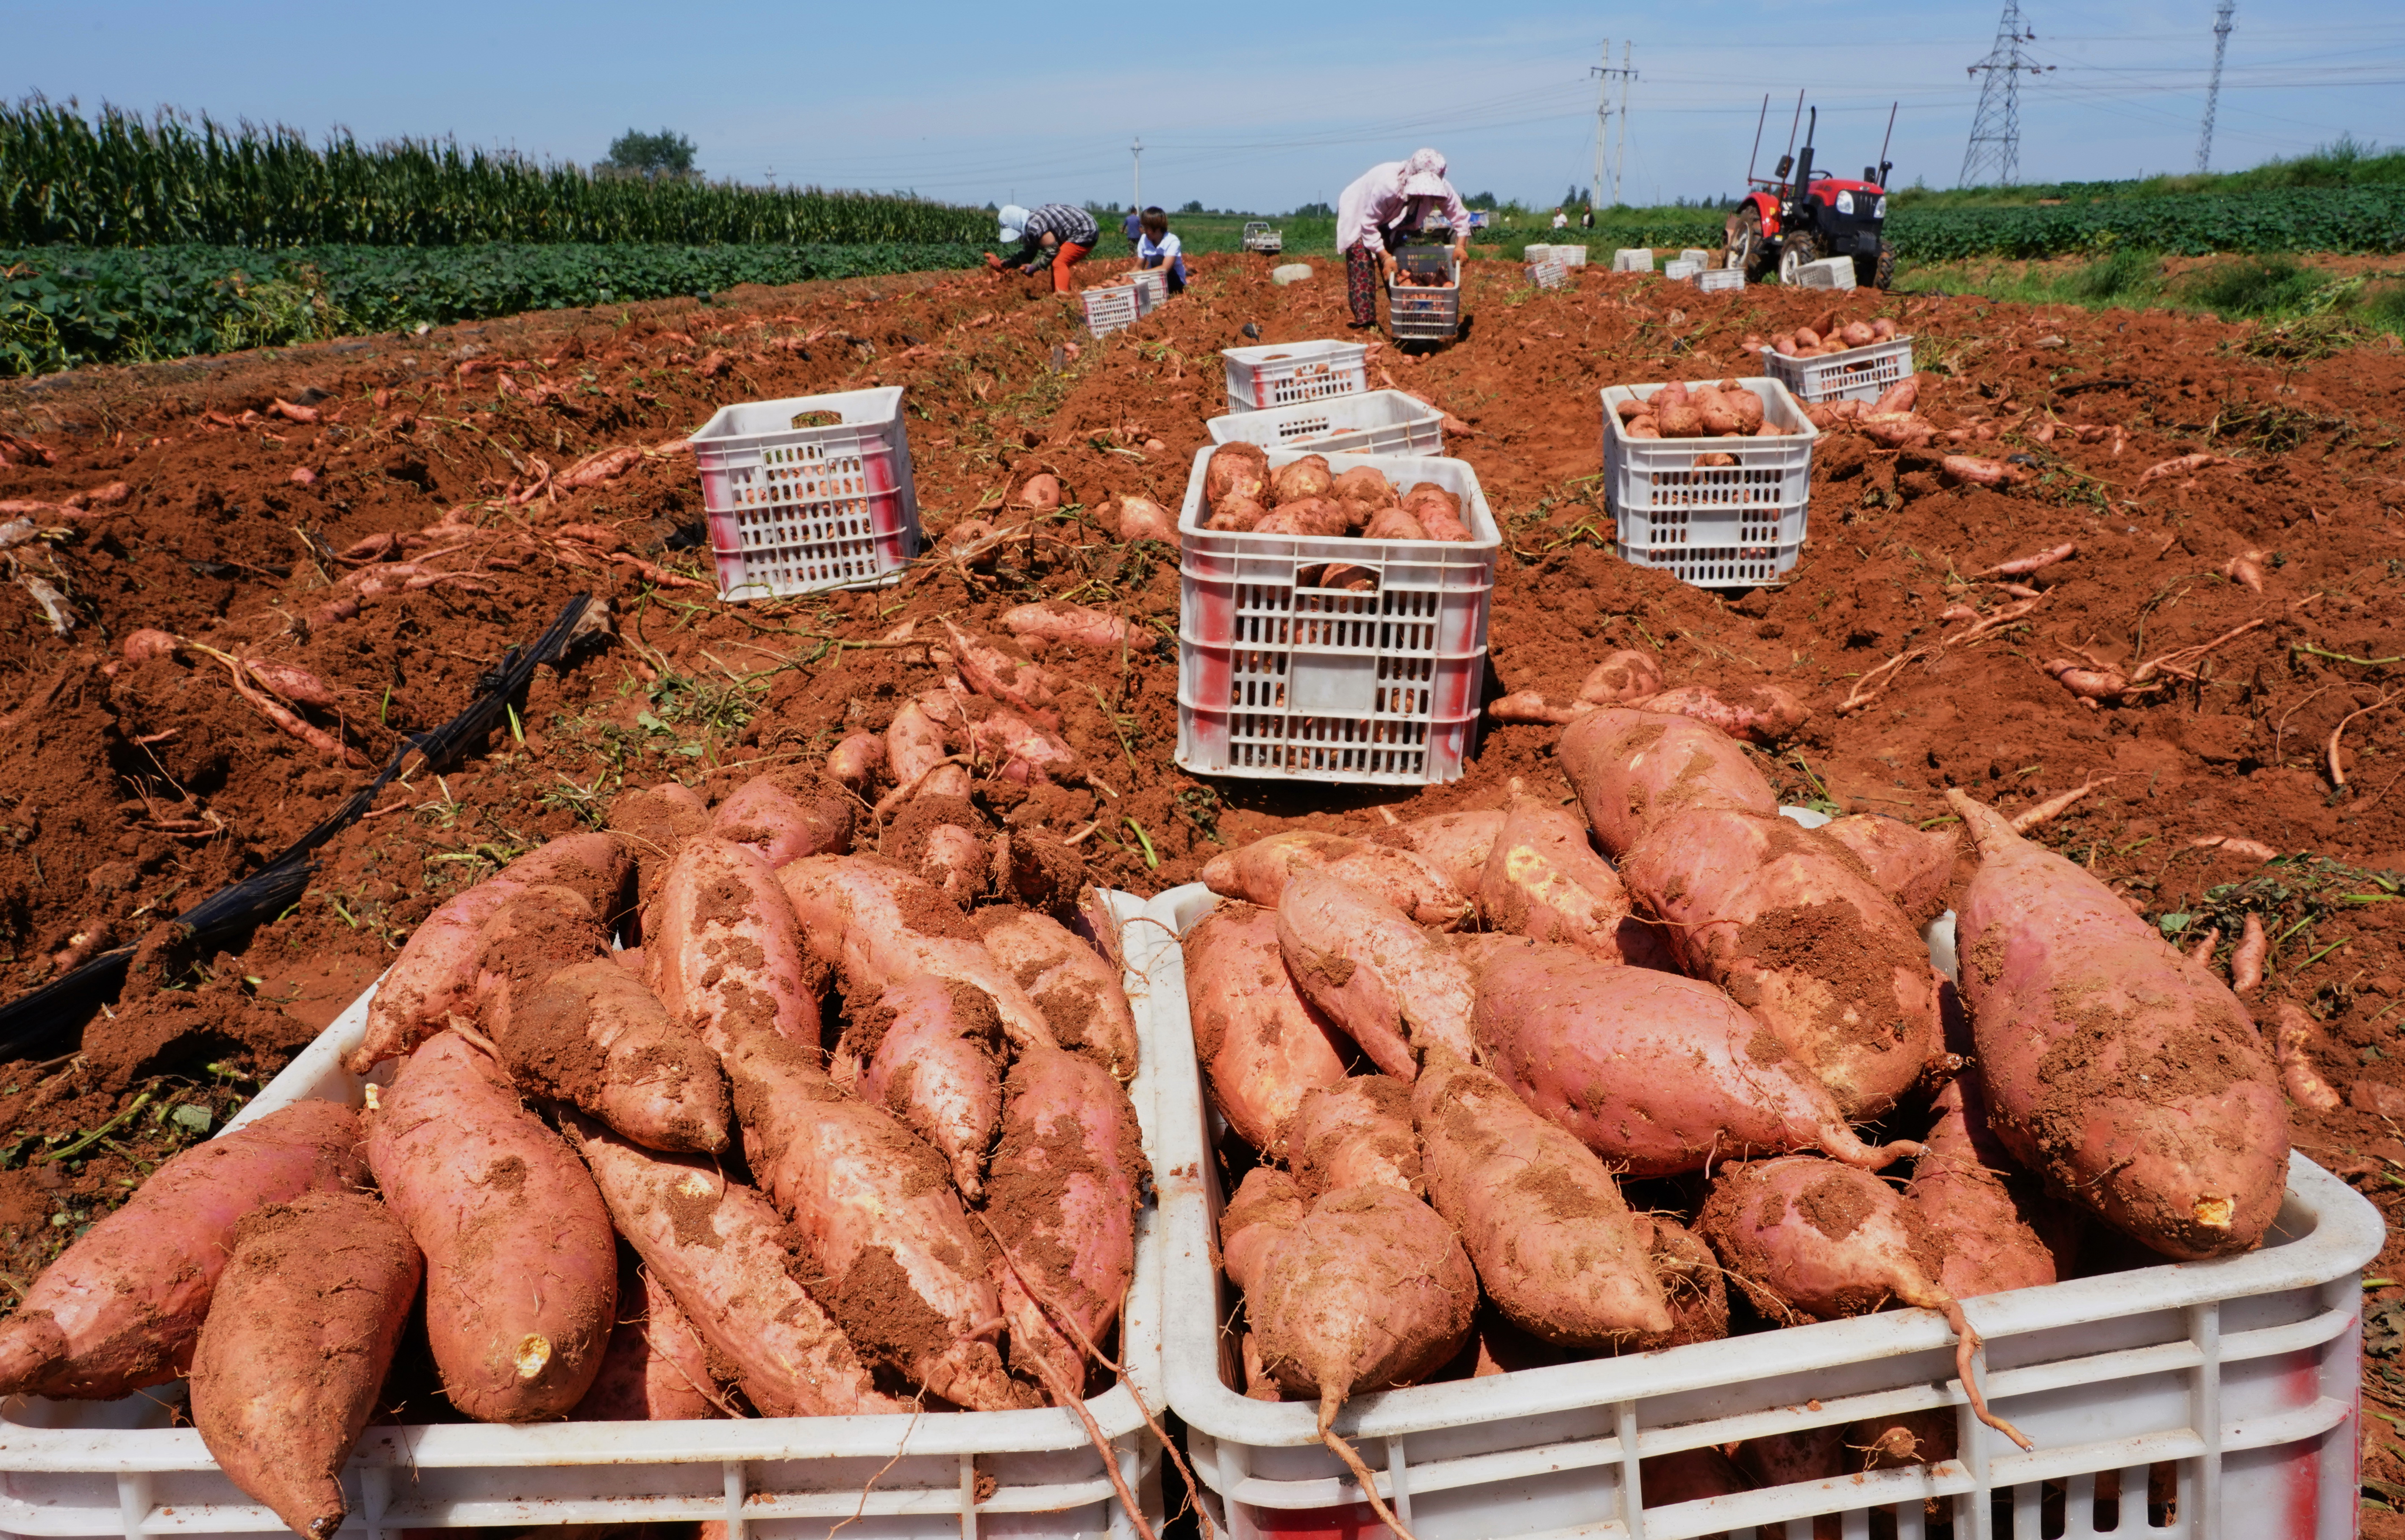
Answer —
1062 259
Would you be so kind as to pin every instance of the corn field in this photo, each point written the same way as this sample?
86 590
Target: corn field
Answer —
126 181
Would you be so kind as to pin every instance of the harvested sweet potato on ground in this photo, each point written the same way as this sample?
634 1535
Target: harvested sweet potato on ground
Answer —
1655 1072
1354 1132
1555 1246
925 1053
781 826
580 874
732 1264
1631 768
876 924
654 822
1067 1181
1912 865
1622 679
2122 1073
297 1344
657 1367
594 1036
999 670
120 1308
1456 844
1391 873
1790 926
855 760
956 863
721 949
1392 987
1762 713
904 1273
916 755
1264 1045
521 1271
1056 621
1078 992
1544 881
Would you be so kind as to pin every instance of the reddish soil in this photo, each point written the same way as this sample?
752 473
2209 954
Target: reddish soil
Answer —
137 788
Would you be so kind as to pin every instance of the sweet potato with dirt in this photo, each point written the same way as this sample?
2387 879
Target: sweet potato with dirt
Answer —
1077 624
1621 679
120 1308
1079 992
580 874
1790 926
657 1367
1067 1180
999 670
1236 471
297 1344
735 1268
1295 479
721 949
926 1052
521 1270
1691 1285
1142 519
1912 865
956 863
1393 524
1630 768
2122 1073
1657 1073
855 760
1267 1204
594 1036
903 1272
1393 873
1556 1247
1456 844
1762 713
769 816
1544 881
1395 989
1995 1227
1354 1132
1264 1045
916 755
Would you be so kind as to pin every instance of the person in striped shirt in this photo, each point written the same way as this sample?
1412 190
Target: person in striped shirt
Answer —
1054 235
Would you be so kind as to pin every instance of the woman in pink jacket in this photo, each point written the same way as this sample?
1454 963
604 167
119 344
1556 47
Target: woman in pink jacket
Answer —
1385 202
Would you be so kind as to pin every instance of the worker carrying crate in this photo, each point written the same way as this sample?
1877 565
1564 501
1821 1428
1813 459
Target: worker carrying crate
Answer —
1386 206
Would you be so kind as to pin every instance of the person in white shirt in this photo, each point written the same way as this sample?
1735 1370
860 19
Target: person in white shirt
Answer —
1155 246
1385 202
1561 220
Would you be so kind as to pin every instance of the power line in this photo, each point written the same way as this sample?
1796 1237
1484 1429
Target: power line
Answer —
2212 93
1996 131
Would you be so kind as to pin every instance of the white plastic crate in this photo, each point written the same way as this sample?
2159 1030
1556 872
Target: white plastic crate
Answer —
1680 269
1633 260
1549 274
1714 526
1567 256
1858 373
1713 279
1151 289
1281 374
1282 681
1111 307
2240 1374
1383 422
1828 272
82 1469
796 508
1416 315
1697 256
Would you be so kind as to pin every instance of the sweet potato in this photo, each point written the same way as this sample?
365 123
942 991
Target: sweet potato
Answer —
1977 470
1079 993
875 923
1655 1072
1393 524
594 1036
1364 484
1391 873
1354 1132
956 863
1066 1189
855 760
1266 1207
1911 865
1630 768
1555 1245
1900 397
2292 1042
1262 1044
2247 957
656 1369
1762 713
781 826
1142 519
297 1344
654 822
1689 1276
1389 985
999 670
721 949
1544 881
521 1272
2120 1071
904 1273
582 875
1620 679
731 1264
1006 746
1075 624
1531 706
1456 844
1993 1226
1789 925
1236 471
1238 513
915 752
1308 477
1809 1238
926 1053
120 1308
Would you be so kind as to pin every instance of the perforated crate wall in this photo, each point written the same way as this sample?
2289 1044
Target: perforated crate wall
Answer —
795 509
1381 422
1715 526
1282 373
1110 308
1858 373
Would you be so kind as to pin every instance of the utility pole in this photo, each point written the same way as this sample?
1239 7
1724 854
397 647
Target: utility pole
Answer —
1138 150
1996 133
1603 74
1620 142
2221 30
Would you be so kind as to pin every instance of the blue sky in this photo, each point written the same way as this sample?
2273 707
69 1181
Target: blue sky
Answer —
1239 103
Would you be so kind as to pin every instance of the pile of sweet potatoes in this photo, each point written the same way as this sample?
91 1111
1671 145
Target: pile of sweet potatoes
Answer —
1513 1087
700 1115
1305 497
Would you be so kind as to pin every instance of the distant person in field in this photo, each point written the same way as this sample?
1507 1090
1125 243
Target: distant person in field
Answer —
1587 220
1055 236
1561 220
1158 248
1132 228
1386 204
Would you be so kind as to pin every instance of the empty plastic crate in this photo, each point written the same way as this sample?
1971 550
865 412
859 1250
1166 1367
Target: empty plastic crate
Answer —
1680 268
1697 256
1633 260
122 1469
795 505
1858 373
1715 526
1383 422
1111 307
2237 1379
1828 272
1282 680
1260 378
1548 274
1711 279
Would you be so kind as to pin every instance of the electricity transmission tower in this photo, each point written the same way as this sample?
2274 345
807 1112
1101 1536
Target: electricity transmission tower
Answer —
1604 110
2221 29
1995 144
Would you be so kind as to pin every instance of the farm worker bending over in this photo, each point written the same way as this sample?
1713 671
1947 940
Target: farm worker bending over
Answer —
1388 202
1157 247
1056 236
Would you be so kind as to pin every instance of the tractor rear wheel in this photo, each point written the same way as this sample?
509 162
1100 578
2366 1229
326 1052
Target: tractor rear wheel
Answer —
1876 271
1745 245
1795 248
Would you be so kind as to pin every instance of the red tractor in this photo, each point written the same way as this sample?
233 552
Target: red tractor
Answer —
1815 216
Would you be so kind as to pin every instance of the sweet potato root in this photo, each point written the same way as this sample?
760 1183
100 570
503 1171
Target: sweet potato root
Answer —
1631 768
1691 1285
657 1367
521 1272
721 949
654 822
1267 1204
594 1036
1544 881
916 754
2120 1071
781 826
855 760
1078 992
999 670
1074 624
1623 679
1911 865
926 1050
1762 713
1353 1133
122 1306
1264 1046
1996 1229
1389 985
296 1347
1456 844
1395 874
1555 1245
1657 1073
